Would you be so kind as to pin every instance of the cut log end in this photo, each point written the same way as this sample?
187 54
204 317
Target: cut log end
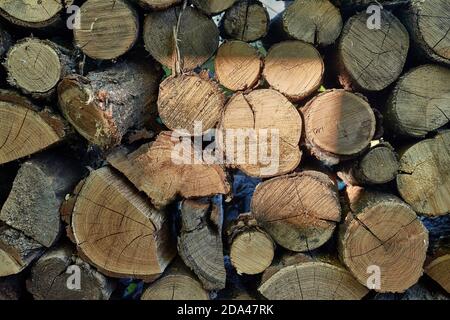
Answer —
195 47
315 22
267 119
34 66
117 231
312 280
437 270
100 21
383 233
294 68
158 4
372 59
238 66
251 248
24 129
246 21
187 101
299 211
339 125
420 102
424 179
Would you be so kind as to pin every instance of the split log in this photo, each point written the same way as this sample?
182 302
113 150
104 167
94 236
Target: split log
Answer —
251 248
36 66
5 41
10 288
178 283
381 231
188 100
200 241
195 48
17 251
372 59
294 68
37 193
339 126
347 4
260 133
427 22
50 278
313 21
34 14
300 211
238 66
438 269
108 28
105 104
25 129
213 7
420 102
117 230
165 169
157 4
424 180
247 20
301 277
377 166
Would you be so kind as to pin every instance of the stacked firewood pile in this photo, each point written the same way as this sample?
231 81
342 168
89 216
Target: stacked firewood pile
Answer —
170 149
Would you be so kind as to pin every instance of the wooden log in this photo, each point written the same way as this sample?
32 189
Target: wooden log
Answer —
361 4
372 59
300 211
17 251
34 14
10 288
200 241
195 48
158 169
427 22
157 4
251 248
108 28
25 129
377 166
51 274
317 22
437 269
301 277
294 68
247 20
238 66
105 104
423 180
383 232
117 230
260 133
189 99
36 66
178 283
36 195
420 102
5 41
339 125
213 7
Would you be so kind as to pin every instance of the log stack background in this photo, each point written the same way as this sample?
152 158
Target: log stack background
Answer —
88 181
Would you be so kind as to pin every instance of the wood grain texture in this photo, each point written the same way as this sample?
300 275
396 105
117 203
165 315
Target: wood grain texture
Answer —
212 7
372 59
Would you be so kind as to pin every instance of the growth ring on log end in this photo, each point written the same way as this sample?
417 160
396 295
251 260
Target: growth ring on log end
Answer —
384 235
372 59
300 211
108 28
424 177
116 229
294 68
339 125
